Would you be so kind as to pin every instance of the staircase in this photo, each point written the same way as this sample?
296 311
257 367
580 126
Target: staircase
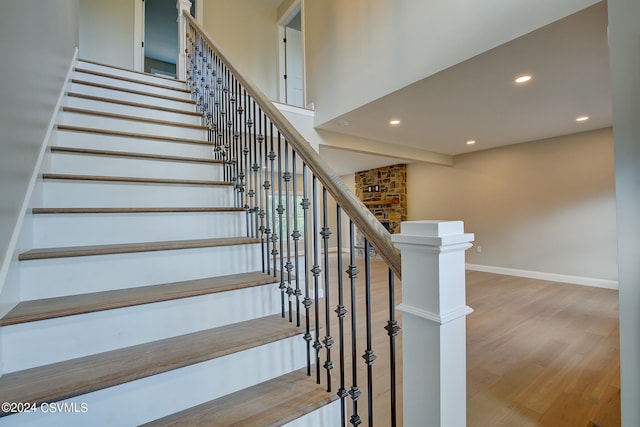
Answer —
143 299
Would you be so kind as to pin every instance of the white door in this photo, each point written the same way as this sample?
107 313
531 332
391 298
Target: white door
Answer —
293 67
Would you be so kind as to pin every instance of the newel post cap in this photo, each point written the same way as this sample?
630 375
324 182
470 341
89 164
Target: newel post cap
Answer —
432 233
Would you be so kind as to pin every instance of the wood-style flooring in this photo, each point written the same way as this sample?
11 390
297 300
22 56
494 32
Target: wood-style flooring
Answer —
539 353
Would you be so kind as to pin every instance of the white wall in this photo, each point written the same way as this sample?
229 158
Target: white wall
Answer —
107 31
37 42
545 206
360 50
247 33
625 68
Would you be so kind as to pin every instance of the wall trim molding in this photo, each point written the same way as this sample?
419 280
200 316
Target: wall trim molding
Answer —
540 275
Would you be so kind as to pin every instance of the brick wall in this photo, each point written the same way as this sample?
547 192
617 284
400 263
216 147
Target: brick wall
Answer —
389 202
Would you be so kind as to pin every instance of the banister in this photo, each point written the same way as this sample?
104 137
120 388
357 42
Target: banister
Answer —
366 222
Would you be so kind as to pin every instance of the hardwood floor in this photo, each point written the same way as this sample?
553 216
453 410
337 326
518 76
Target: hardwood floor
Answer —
539 353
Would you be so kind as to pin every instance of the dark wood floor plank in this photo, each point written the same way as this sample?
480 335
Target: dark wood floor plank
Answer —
132 135
123 248
134 210
49 308
133 104
71 378
131 179
132 91
269 404
130 80
130 71
128 154
132 118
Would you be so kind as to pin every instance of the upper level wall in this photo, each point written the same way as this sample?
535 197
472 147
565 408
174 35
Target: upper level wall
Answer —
360 50
247 33
37 43
107 31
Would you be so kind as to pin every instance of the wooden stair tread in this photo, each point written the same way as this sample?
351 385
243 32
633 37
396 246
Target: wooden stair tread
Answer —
133 104
115 67
133 135
132 91
104 178
74 150
133 210
49 308
130 80
125 248
70 378
132 118
271 403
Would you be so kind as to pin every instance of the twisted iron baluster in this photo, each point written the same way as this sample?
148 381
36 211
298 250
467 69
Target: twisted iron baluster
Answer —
341 311
352 272
328 340
307 299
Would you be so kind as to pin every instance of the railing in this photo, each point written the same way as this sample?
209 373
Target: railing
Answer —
287 191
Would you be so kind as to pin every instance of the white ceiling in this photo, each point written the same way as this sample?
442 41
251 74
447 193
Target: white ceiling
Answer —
477 99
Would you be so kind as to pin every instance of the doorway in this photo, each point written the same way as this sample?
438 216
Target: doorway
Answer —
156 35
291 61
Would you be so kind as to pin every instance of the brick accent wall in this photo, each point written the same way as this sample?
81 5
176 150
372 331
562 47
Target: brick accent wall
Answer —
389 203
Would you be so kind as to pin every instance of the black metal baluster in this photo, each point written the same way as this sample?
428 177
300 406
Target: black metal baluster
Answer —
341 311
287 199
368 356
228 133
392 330
284 269
255 167
265 202
352 272
261 197
248 124
296 237
274 234
307 299
328 340
246 163
280 211
315 270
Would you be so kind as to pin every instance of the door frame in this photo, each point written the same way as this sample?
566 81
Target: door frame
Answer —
297 6
138 30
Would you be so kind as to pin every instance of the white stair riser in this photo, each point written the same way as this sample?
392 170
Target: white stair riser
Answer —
123 125
158 396
128 110
39 343
141 87
76 275
84 164
61 230
133 145
130 97
326 416
131 74
64 193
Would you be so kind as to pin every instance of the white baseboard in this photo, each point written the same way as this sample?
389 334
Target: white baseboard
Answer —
576 280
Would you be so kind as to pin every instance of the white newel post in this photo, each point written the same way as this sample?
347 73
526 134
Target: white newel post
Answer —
434 314
181 64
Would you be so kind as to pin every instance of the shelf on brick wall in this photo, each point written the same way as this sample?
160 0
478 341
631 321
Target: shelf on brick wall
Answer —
381 202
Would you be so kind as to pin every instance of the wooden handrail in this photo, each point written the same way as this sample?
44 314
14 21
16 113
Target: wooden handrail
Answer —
368 225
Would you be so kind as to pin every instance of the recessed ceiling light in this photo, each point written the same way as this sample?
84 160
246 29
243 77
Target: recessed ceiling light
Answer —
471 142
582 118
523 78
394 122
